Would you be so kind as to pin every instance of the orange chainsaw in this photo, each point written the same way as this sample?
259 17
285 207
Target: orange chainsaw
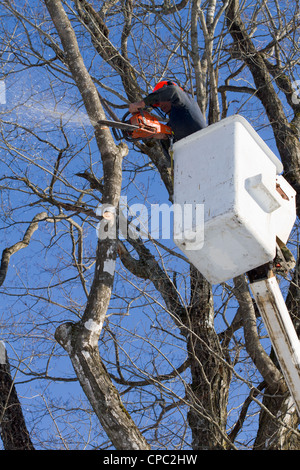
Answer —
140 125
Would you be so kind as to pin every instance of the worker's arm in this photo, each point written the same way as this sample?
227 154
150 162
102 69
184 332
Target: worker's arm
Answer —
134 107
169 94
163 95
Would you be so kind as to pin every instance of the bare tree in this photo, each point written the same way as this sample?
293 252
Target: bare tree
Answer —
164 360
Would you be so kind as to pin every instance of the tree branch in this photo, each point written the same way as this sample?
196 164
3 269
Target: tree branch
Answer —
8 252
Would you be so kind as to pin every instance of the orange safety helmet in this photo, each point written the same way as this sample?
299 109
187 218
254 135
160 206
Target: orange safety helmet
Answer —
162 84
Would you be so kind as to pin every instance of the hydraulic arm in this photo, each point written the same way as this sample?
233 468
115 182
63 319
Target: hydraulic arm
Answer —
277 320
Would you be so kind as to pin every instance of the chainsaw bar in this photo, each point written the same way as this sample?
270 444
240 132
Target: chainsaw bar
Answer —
118 125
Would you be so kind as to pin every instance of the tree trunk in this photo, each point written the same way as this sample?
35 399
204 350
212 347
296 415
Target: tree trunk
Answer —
211 377
271 433
287 139
80 340
13 430
104 398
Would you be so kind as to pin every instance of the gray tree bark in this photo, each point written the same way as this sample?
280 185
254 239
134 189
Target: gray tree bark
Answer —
13 429
81 340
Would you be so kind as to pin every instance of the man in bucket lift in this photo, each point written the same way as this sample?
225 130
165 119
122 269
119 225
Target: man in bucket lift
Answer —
185 116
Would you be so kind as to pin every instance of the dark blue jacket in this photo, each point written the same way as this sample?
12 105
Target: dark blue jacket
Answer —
185 117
